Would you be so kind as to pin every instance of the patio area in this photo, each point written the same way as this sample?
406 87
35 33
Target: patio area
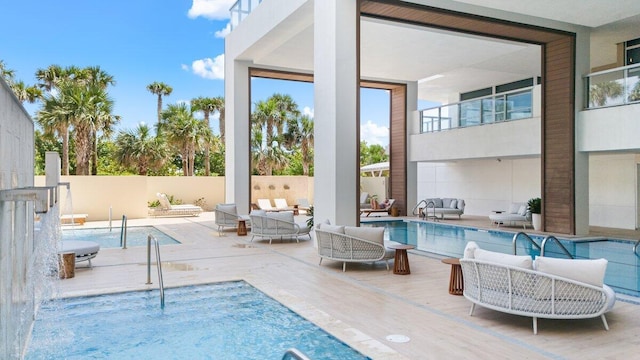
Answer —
361 306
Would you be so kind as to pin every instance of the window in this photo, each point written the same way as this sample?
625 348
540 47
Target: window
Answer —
632 52
519 105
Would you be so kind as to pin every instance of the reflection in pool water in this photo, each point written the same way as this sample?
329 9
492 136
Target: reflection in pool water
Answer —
136 236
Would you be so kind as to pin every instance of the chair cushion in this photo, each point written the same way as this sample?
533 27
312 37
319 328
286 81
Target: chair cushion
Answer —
258 212
453 204
470 249
521 261
583 270
522 210
333 228
461 204
229 208
373 234
514 207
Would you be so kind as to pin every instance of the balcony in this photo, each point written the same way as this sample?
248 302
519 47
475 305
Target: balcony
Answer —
485 110
613 87
241 9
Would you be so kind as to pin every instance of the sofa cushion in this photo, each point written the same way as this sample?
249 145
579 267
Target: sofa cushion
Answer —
514 207
470 249
258 212
229 208
460 204
446 202
522 210
438 202
373 234
521 261
453 204
285 216
582 270
333 228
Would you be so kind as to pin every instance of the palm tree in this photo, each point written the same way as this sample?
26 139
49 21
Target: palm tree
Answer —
219 100
140 150
161 89
6 73
26 93
54 119
185 133
94 76
306 143
50 76
207 106
600 92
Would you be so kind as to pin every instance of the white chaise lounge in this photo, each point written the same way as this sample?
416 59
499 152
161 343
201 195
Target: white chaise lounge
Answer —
352 244
167 209
547 288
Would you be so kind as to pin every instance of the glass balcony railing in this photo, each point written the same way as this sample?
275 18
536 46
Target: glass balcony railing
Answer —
487 110
241 9
619 86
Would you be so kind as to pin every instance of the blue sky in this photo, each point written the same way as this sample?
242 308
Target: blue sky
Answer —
178 42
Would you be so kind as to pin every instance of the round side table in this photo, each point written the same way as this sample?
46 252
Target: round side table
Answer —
401 259
456 282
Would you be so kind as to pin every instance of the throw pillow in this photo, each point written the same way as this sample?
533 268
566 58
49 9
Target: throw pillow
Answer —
521 261
453 204
582 270
470 249
339 229
522 210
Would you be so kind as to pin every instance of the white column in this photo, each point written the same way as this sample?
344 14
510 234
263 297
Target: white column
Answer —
336 166
413 127
237 137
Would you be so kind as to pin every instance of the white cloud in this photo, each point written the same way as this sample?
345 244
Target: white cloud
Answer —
185 67
307 111
374 134
209 68
211 9
224 32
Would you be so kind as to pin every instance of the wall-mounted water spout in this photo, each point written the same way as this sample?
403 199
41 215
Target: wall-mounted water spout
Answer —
39 195
67 184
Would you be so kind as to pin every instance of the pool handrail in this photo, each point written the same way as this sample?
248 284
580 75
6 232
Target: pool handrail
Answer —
159 266
515 238
123 232
635 248
551 237
294 354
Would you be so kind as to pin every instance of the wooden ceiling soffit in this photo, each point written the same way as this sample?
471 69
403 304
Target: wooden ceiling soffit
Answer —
457 21
280 75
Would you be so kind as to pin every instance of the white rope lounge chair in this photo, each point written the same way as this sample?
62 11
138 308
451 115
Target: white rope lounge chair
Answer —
276 225
227 216
381 210
166 209
548 288
84 250
352 244
281 205
265 204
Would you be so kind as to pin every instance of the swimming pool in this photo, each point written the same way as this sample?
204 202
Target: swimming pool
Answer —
136 236
623 270
231 320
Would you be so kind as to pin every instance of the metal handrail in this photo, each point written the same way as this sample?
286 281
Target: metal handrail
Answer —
159 266
551 237
294 354
123 232
635 248
416 207
515 238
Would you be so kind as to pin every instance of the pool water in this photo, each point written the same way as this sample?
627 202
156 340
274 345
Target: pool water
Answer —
623 269
230 320
136 236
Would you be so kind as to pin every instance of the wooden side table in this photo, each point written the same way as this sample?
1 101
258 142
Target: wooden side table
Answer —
401 259
242 227
456 281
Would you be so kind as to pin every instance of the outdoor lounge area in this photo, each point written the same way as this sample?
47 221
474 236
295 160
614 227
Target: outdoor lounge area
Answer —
417 305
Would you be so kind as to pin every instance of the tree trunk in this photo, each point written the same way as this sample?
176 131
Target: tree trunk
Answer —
65 151
83 150
207 165
94 153
222 125
159 107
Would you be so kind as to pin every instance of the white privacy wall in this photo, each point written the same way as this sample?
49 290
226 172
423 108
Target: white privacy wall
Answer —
613 190
485 185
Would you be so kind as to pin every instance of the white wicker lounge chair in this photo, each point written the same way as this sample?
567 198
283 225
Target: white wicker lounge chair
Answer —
281 205
227 216
166 209
265 204
352 244
552 289
276 225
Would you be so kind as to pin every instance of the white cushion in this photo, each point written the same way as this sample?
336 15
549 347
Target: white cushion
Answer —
258 212
522 210
582 270
333 228
326 221
373 234
230 208
453 204
470 249
514 207
521 261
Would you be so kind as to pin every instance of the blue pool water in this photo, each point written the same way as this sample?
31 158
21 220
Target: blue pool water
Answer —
231 320
623 269
136 236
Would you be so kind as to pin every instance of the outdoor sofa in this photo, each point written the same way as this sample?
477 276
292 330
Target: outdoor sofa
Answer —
518 213
227 216
270 225
547 288
435 207
352 244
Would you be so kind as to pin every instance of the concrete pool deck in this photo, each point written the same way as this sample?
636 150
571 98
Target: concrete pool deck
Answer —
361 306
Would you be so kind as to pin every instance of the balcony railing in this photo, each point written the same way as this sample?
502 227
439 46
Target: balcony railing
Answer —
486 110
241 9
613 87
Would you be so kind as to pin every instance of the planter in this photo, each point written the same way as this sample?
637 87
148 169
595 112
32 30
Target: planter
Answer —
536 221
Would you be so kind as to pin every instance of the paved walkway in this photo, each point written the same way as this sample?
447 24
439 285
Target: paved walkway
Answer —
361 306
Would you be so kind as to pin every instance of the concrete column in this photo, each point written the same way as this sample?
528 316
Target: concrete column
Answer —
413 127
238 133
336 117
